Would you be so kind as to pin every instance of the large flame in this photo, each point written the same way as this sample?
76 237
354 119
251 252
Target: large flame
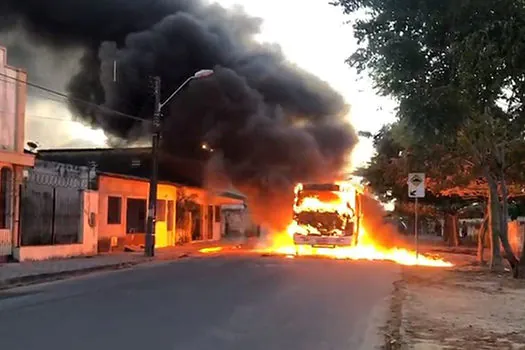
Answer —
365 249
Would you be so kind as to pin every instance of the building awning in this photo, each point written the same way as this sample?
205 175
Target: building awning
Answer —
23 159
232 195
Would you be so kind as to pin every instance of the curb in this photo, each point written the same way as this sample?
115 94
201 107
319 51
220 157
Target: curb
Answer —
393 330
55 276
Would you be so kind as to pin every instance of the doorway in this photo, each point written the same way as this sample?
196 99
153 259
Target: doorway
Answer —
135 215
209 219
196 218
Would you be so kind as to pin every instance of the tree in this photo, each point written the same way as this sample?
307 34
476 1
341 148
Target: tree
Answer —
397 154
456 69
186 205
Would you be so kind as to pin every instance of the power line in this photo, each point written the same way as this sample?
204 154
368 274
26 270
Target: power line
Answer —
63 95
40 95
36 93
32 116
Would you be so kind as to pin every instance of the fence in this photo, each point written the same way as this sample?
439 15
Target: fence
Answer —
51 204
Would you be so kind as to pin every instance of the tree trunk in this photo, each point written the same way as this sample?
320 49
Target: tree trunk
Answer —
451 235
504 233
520 273
481 239
494 225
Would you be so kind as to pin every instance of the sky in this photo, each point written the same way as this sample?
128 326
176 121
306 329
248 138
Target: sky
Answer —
313 35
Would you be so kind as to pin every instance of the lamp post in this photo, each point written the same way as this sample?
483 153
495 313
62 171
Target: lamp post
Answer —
152 209
365 134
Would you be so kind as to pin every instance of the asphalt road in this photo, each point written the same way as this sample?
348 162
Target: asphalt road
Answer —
245 303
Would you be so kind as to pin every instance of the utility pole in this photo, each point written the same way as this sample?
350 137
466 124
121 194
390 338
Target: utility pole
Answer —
416 229
152 209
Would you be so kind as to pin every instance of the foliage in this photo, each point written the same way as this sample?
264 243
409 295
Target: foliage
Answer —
442 60
184 205
454 66
456 69
397 155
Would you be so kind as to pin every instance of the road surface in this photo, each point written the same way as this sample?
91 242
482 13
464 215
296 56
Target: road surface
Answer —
213 303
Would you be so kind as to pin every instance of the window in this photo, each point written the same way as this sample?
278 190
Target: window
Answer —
170 216
114 210
136 215
217 213
6 179
161 210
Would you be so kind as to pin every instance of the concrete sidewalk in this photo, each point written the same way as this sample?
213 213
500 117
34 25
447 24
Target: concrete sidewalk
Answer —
15 274
203 248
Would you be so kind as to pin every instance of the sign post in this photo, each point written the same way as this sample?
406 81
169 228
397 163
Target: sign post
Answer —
416 190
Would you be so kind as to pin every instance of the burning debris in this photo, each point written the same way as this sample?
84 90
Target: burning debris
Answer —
269 123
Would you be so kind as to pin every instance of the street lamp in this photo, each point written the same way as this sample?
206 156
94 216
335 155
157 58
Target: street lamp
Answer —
366 134
203 73
149 249
206 147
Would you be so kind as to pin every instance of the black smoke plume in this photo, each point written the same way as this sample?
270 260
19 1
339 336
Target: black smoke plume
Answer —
270 123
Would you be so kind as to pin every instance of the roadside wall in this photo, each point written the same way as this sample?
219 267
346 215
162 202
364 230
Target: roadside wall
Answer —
89 231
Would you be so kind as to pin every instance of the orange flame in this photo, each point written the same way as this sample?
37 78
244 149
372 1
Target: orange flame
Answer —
210 250
366 249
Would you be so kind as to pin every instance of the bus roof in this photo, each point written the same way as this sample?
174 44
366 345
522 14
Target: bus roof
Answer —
321 187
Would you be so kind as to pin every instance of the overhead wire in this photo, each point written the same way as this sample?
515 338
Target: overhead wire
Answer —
33 116
71 98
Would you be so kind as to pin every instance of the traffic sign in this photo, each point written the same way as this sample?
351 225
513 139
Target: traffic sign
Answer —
416 185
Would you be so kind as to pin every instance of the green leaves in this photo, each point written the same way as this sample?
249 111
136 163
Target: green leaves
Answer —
400 151
442 60
457 69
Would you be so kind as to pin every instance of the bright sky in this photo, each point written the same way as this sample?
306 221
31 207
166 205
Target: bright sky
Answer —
313 34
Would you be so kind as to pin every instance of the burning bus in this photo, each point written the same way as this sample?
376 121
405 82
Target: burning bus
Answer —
329 221
327 215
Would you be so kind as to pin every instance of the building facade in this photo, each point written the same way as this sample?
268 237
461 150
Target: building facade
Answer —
13 159
186 210
122 215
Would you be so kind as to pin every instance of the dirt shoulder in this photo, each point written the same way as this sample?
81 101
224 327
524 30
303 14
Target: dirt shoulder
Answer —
461 308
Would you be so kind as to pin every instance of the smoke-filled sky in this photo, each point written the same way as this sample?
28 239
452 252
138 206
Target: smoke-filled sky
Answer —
319 38
268 120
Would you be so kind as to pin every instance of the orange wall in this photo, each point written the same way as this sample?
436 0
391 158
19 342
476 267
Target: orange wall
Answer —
129 188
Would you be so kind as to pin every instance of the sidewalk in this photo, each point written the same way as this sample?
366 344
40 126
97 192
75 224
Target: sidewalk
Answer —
229 245
461 308
14 274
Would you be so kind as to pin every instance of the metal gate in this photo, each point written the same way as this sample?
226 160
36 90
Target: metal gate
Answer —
6 205
51 204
